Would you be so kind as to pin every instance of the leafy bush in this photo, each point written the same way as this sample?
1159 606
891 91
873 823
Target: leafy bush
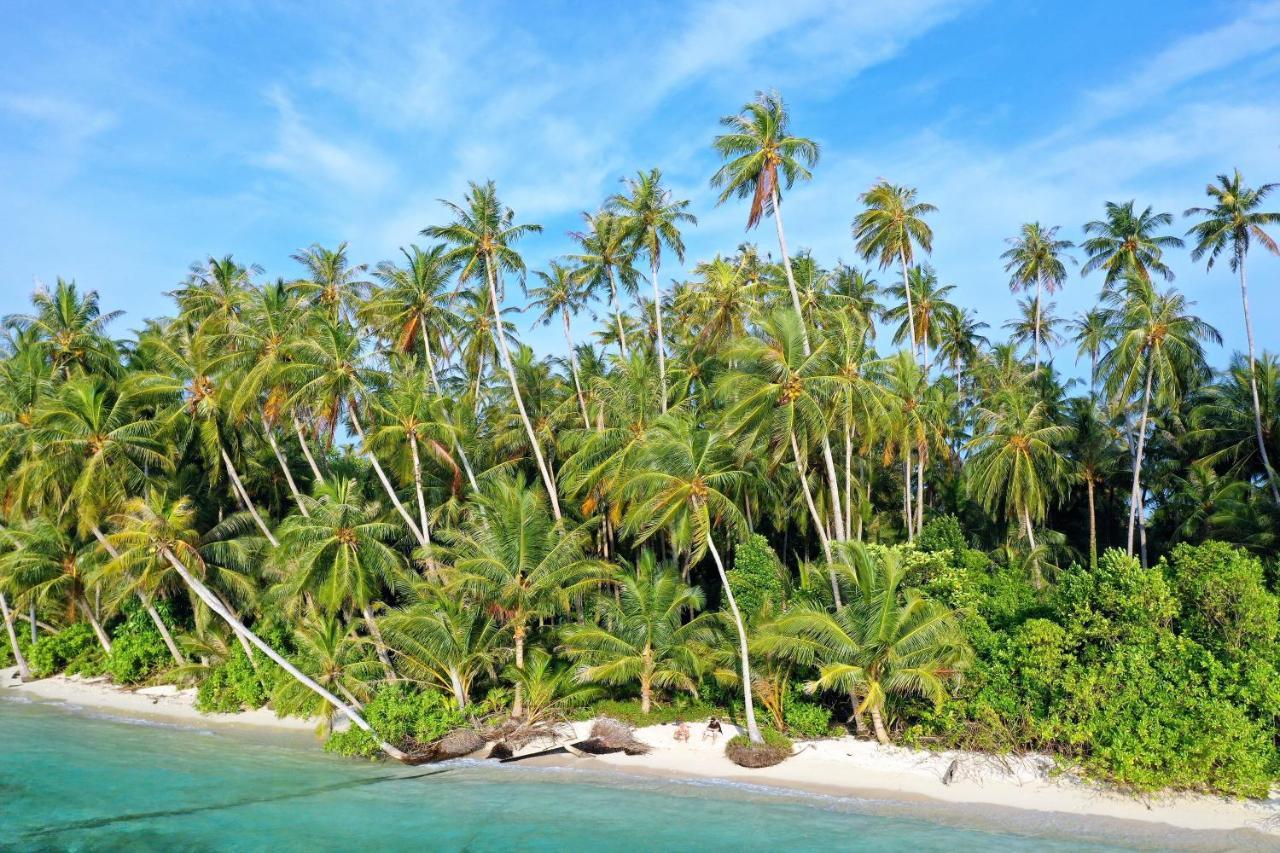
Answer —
74 650
1225 602
942 533
683 708
806 718
756 576
400 715
137 649
776 748
234 685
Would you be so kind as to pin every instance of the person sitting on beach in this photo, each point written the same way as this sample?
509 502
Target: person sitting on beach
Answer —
713 730
682 732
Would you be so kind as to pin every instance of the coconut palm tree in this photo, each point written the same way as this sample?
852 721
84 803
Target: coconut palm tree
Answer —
1092 331
1037 325
607 259
69 328
756 149
681 485
440 641
1159 348
332 284
890 229
644 637
1232 224
1125 242
1035 257
960 341
216 294
560 294
481 238
329 651
919 312
1094 452
651 218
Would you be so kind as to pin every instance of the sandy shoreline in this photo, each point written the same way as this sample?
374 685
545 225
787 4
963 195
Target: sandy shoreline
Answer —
840 767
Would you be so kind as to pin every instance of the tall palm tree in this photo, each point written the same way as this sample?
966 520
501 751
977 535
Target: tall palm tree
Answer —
919 314
1125 242
960 340
333 284
412 306
482 235
1036 256
1091 331
1094 452
890 230
70 329
560 294
756 148
216 294
644 636
682 486
164 527
607 259
331 653
1232 223
1158 349
1037 326
651 217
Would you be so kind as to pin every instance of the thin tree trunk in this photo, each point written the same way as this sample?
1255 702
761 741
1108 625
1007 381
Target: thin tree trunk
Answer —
786 264
1037 323
156 619
573 366
1137 456
920 454
24 671
617 313
386 483
1093 527
211 601
848 480
435 383
417 486
662 340
877 721
911 314
753 731
35 630
378 643
248 502
1037 579
103 639
306 450
455 683
906 491
813 514
517 705
1253 386
515 390
284 466
833 481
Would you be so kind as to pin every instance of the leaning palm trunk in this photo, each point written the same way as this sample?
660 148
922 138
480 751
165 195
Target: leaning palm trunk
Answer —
306 450
156 619
386 483
877 721
212 602
911 314
1253 388
515 390
87 610
753 731
378 643
801 472
243 493
284 467
662 341
573 366
24 671
786 263
1135 494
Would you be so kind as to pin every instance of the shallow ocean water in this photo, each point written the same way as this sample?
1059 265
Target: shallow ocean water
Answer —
71 779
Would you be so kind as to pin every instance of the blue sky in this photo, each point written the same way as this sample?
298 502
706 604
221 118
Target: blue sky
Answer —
137 138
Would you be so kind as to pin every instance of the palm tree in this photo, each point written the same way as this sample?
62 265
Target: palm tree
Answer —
1095 455
442 642
1035 256
331 653
1232 223
163 526
1016 463
519 562
960 341
607 258
1036 326
651 217
561 293
332 284
644 637
481 234
888 641
755 149
216 294
682 485
1091 331
339 555
919 315
412 306
70 330
1158 348
1125 243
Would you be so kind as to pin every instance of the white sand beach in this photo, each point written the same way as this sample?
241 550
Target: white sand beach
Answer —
836 766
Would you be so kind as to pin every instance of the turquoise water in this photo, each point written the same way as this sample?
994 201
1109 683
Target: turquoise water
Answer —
73 780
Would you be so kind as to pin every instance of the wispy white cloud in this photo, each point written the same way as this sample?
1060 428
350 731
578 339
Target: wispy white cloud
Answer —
319 160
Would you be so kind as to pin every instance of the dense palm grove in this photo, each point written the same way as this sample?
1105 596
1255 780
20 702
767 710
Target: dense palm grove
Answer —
809 496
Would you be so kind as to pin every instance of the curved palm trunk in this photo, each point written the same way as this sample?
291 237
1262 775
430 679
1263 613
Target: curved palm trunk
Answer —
617 313
817 519
573 365
376 633
87 610
284 466
911 314
417 486
505 352
786 262
1134 495
753 731
1253 386
248 502
877 721
212 602
156 619
455 683
662 340
24 671
306 450
386 483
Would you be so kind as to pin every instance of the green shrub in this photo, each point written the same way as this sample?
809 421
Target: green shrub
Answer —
74 649
772 737
400 715
805 718
234 684
682 708
1225 602
1118 595
942 533
137 649
757 576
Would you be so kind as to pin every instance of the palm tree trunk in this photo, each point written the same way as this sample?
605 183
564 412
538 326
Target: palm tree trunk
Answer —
662 340
306 450
156 619
848 480
877 721
31 617
920 454
435 383
517 704
386 483
786 263
1036 345
906 491
1093 527
515 390
1253 386
1137 456
573 366
248 502
24 671
911 314
455 682
103 639
1037 579
212 602
617 312
378 643
284 466
417 487
801 471
753 731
